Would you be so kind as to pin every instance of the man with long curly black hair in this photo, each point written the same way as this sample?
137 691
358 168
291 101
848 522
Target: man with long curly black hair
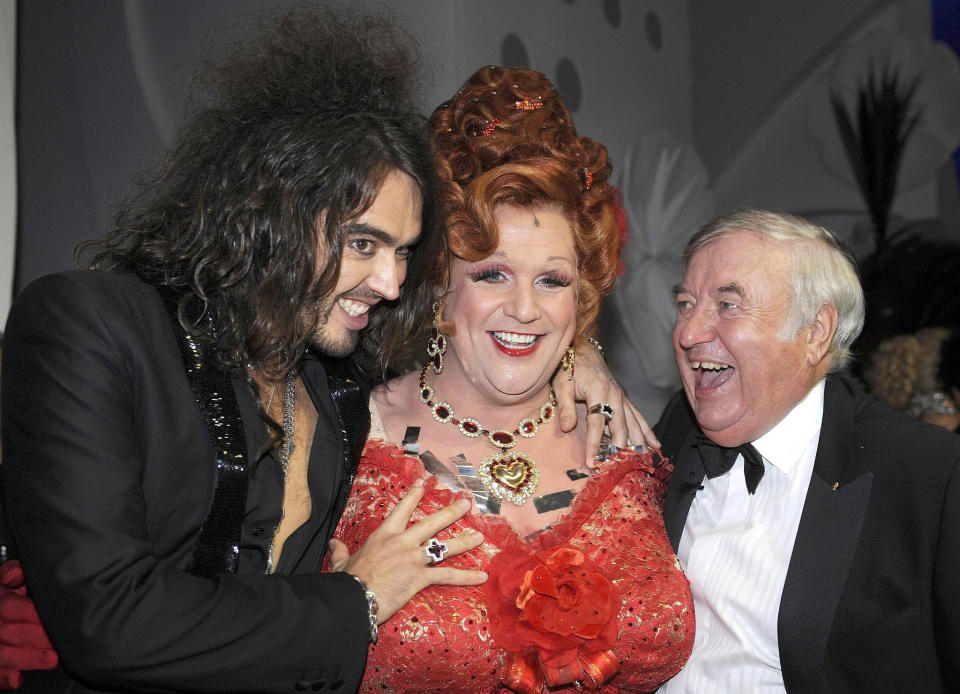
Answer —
179 433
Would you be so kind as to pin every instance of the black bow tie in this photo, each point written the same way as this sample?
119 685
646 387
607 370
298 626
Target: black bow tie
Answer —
717 460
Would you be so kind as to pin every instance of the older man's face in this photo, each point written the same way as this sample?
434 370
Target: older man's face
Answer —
740 379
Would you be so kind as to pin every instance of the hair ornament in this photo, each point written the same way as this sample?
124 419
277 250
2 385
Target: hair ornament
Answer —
528 104
490 127
587 178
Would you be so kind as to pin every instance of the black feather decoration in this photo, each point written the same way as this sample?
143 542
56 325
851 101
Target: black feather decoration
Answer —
874 139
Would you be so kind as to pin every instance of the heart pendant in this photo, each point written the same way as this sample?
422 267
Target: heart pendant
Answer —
512 476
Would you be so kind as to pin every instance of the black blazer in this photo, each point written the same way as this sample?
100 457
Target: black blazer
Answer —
871 601
109 472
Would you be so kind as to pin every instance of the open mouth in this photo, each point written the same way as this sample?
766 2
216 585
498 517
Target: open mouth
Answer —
356 313
354 309
711 374
515 344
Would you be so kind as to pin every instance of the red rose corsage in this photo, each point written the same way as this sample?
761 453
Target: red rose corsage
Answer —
555 614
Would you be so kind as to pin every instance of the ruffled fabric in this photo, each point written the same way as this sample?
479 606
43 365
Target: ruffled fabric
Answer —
441 641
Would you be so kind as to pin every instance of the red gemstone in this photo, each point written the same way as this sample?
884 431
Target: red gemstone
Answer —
424 393
548 412
437 360
442 412
470 427
504 438
528 427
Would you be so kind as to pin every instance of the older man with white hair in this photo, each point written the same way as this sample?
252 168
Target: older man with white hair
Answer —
820 529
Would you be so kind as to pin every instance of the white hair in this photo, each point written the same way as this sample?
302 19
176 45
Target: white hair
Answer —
823 273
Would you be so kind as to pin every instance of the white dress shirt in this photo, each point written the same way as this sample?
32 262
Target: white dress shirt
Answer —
735 549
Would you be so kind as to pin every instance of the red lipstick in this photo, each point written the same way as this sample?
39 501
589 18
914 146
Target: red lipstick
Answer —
515 351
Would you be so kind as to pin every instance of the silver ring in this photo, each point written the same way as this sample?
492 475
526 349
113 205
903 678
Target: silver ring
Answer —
601 408
435 551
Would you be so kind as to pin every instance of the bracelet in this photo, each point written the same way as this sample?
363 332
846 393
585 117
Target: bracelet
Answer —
372 607
597 345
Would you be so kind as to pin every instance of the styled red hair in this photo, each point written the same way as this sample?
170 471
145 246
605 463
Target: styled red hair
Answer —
507 138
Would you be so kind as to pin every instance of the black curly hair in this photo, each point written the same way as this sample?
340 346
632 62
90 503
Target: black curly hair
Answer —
303 124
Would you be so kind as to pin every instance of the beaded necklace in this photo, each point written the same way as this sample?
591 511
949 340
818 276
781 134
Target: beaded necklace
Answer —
508 475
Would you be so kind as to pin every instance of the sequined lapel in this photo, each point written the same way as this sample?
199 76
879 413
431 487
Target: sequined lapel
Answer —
217 546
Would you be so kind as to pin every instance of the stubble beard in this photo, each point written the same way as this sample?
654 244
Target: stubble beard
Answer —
333 345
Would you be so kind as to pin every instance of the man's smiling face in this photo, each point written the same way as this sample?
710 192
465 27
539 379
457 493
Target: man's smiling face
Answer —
739 376
373 266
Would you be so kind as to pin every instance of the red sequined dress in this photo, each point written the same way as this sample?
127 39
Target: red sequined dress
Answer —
443 640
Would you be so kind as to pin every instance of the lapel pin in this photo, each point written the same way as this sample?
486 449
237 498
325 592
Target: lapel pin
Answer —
835 485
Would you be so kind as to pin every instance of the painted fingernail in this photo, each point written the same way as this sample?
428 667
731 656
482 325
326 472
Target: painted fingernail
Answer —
463 504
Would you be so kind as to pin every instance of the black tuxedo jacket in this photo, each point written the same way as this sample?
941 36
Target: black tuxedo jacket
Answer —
871 601
109 472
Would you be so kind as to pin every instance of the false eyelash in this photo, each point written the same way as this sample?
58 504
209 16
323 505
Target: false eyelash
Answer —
559 280
490 273
486 273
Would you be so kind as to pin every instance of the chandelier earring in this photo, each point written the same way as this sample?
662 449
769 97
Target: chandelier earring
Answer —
437 344
567 363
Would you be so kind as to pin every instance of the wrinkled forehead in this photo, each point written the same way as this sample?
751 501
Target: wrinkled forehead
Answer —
744 258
